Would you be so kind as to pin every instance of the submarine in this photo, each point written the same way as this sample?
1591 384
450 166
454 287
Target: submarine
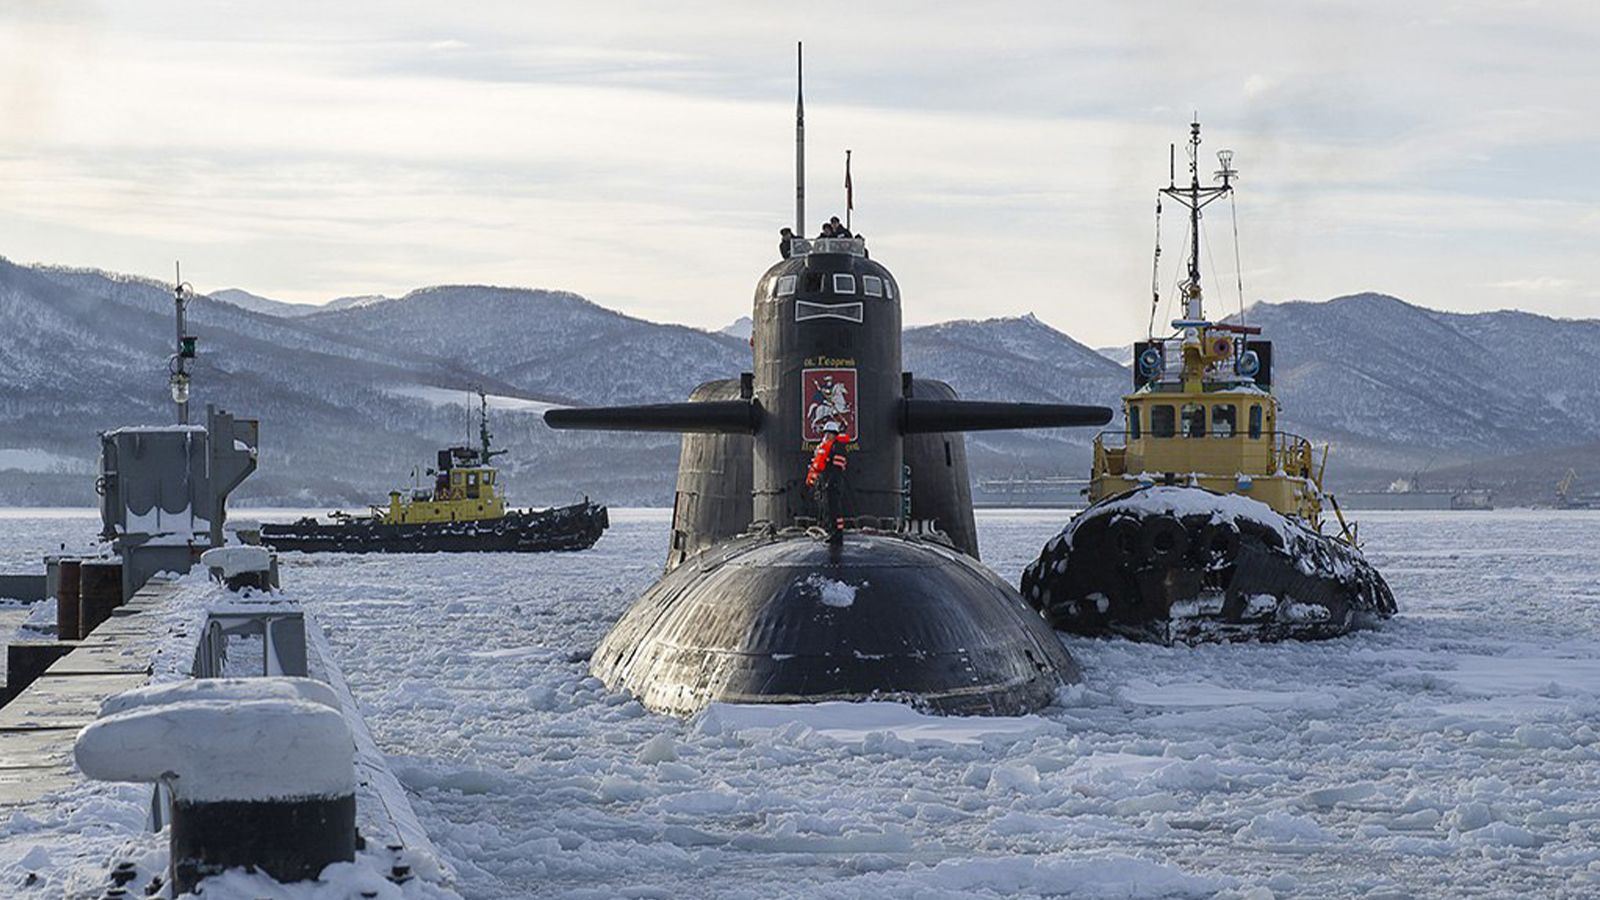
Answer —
765 598
1206 522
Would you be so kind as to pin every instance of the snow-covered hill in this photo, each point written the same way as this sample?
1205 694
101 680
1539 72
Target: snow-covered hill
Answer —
740 328
263 305
1395 386
349 398
548 342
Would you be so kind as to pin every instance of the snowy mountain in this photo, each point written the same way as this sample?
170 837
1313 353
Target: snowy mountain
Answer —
1396 387
86 350
551 343
1122 356
352 302
1019 359
263 305
270 307
740 328
352 399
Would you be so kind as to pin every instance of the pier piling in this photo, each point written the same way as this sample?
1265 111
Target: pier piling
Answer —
99 592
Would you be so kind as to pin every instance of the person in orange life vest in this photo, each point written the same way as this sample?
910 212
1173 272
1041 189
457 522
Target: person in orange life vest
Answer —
825 476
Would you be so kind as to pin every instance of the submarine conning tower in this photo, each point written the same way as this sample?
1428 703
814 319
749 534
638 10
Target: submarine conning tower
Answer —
759 610
826 342
826 348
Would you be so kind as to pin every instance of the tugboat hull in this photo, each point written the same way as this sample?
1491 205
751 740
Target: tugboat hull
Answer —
1186 565
574 527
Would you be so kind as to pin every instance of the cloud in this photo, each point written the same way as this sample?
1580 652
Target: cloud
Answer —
1540 284
1005 158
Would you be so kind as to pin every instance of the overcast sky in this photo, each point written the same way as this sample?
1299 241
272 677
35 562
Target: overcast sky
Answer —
1006 155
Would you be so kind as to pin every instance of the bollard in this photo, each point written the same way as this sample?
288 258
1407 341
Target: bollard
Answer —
99 592
67 587
261 772
239 567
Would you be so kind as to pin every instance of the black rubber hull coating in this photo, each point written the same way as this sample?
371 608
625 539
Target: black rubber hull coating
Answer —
793 619
1159 565
290 840
574 527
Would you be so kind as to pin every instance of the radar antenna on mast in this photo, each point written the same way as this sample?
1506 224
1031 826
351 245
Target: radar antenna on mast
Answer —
178 363
484 437
1194 197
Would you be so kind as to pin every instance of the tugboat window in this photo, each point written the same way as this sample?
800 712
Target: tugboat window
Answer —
1133 422
1224 420
813 283
1255 421
1163 420
1194 420
786 285
872 285
888 288
844 284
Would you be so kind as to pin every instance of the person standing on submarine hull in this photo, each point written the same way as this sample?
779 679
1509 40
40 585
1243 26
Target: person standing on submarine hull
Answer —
826 479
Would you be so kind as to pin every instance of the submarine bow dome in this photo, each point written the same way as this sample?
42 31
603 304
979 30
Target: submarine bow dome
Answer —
789 618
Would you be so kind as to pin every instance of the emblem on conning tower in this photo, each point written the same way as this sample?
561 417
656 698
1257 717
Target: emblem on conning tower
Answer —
830 397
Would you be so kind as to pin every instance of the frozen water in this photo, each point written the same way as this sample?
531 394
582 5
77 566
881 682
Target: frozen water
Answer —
1454 750
1352 764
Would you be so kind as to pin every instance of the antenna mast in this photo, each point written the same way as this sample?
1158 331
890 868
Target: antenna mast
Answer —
799 141
483 425
178 363
1195 197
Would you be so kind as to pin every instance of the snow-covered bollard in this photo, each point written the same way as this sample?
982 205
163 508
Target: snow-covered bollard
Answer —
241 566
261 772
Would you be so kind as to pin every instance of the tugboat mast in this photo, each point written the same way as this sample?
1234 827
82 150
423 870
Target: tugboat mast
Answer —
1195 197
483 426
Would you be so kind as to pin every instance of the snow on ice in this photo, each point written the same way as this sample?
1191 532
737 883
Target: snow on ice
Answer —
1454 750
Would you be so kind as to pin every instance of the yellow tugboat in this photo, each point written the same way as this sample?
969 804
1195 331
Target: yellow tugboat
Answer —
1206 522
464 511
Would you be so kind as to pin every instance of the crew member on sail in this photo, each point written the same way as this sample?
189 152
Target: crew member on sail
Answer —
825 476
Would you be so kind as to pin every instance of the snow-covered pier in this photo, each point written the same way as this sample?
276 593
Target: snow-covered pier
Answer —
87 835
39 726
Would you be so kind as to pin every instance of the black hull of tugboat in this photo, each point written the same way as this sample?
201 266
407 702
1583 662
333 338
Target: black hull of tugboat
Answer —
1185 565
574 527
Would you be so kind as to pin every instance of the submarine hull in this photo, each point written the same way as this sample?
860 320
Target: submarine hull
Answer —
574 527
1185 565
790 618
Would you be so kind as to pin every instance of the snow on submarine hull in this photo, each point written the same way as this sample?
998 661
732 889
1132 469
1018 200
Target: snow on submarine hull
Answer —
1177 564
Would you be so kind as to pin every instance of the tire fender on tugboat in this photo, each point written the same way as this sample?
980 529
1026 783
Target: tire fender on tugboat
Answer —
1218 543
1164 540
